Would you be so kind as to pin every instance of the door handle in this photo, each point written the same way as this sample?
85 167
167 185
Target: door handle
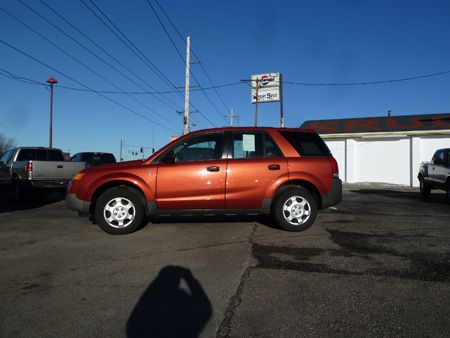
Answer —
59 166
274 167
213 168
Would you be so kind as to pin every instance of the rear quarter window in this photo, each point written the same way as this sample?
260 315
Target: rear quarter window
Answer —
26 155
55 155
306 144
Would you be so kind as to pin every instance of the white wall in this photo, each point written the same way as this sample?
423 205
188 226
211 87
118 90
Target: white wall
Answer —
337 148
384 160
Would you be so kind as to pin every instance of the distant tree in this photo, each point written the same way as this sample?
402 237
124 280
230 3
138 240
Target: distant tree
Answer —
6 143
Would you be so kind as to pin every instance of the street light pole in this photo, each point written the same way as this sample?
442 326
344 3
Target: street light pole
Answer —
52 81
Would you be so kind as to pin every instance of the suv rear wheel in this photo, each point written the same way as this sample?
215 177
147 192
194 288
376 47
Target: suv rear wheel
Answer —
295 209
119 211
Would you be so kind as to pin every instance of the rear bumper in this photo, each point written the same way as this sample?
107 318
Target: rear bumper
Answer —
50 184
334 196
74 203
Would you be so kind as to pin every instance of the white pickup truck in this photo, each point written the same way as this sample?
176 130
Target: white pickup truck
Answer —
435 174
28 168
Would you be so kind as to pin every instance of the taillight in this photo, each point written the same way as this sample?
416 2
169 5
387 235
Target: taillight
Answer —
29 166
334 167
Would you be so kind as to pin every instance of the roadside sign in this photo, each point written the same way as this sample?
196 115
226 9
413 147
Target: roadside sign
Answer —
267 86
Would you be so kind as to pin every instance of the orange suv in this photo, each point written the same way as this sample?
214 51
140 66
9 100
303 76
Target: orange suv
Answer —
289 173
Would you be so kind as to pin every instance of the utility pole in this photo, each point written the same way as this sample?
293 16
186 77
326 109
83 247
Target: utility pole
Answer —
232 117
281 103
256 103
186 90
52 81
121 149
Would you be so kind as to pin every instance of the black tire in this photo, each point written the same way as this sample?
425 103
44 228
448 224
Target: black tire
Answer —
119 211
425 188
295 209
18 193
447 190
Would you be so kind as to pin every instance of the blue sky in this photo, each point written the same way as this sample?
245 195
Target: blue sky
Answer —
307 41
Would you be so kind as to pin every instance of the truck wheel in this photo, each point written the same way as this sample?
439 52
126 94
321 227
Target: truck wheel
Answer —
17 192
448 191
295 209
119 211
425 188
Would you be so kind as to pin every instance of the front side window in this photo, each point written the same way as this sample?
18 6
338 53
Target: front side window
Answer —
439 157
6 156
198 148
254 145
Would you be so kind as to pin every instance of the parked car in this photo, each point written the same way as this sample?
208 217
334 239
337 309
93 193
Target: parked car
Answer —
289 173
25 168
435 174
93 159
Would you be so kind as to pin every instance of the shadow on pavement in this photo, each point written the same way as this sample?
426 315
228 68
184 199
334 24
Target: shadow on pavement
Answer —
266 220
171 308
31 201
434 197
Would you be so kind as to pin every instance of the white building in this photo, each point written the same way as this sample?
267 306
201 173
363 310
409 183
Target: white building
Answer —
383 149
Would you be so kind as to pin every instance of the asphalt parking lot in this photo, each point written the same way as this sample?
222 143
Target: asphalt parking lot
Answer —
377 265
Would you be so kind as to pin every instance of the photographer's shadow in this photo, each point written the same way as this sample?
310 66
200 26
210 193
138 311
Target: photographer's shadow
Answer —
167 310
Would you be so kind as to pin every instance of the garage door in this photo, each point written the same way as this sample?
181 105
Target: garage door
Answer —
382 160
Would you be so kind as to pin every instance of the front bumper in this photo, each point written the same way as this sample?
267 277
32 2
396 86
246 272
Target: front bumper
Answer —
74 203
334 196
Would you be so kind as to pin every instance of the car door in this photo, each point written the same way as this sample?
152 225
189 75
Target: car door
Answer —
191 174
434 166
256 163
441 169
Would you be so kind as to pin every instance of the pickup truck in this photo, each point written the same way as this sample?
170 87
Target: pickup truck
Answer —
289 173
25 168
436 173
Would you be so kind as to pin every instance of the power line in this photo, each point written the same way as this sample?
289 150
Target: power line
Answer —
140 56
83 85
79 62
31 81
195 55
136 50
111 56
182 58
5 73
369 82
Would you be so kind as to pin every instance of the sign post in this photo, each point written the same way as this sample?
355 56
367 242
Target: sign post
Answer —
266 88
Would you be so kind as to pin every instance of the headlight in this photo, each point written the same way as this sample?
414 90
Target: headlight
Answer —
78 176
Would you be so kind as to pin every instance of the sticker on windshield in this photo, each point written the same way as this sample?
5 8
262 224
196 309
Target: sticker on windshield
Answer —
248 142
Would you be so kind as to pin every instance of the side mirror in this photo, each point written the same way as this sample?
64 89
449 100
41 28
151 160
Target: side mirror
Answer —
168 157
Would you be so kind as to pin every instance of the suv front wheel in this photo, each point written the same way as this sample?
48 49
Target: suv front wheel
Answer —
295 209
119 211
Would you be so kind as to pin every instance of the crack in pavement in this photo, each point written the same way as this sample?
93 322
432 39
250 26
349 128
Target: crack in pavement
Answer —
235 300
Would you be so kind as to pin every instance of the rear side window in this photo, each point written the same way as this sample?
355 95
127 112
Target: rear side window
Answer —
41 155
26 155
306 144
54 155
254 145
